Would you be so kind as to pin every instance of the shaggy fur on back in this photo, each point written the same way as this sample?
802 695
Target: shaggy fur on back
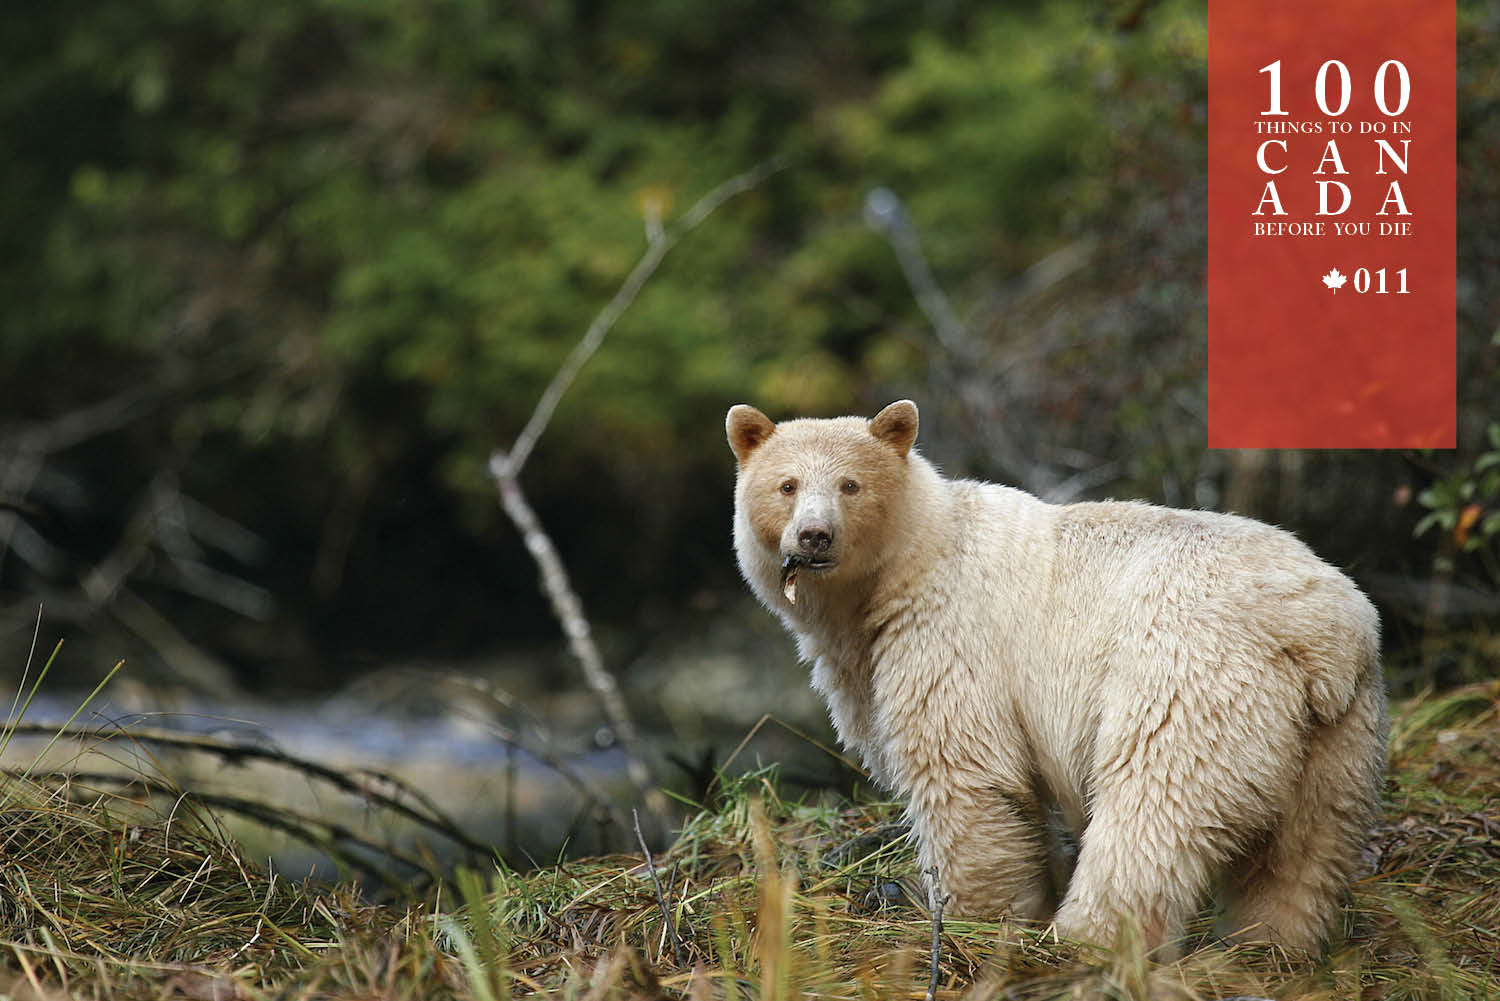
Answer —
1198 694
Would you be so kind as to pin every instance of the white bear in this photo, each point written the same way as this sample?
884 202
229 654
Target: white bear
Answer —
1198 694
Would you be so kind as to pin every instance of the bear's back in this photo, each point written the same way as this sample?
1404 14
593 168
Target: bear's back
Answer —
1239 589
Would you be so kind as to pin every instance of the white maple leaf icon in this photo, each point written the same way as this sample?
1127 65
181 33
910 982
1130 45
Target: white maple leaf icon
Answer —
1334 280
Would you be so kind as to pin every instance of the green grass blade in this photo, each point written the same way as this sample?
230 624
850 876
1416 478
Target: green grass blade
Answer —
76 713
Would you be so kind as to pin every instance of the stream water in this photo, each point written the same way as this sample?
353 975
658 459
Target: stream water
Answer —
522 767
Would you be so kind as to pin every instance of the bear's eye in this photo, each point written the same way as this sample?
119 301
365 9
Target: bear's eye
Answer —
849 487
789 487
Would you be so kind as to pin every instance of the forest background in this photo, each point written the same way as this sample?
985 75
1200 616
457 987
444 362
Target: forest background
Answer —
277 277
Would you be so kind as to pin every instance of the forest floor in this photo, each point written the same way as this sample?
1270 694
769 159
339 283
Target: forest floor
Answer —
122 892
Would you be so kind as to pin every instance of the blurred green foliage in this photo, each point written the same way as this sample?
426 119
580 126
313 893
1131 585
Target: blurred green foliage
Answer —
349 243
441 195
1467 504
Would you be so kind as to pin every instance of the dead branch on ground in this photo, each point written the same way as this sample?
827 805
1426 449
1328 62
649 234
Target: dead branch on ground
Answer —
361 782
348 849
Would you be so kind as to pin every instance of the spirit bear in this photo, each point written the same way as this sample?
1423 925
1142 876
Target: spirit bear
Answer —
1197 694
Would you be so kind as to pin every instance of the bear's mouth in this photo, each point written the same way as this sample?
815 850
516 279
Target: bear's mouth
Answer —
795 562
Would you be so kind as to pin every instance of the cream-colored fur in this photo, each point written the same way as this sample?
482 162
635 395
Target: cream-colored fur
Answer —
1197 693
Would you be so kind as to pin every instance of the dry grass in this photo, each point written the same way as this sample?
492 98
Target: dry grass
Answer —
110 894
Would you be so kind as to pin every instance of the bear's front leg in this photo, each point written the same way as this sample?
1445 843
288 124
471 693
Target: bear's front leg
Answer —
989 849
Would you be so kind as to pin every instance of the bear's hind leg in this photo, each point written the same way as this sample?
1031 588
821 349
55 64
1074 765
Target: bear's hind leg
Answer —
1288 890
1182 785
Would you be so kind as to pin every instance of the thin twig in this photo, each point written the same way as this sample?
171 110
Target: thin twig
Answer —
569 611
666 913
936 904
672 884
656 249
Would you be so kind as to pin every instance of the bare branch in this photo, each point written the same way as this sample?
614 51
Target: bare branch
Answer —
505 468
569 612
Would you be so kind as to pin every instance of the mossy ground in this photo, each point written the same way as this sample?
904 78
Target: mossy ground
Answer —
115 894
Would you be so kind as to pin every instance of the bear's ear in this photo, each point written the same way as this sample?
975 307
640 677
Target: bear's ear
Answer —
747 428
896 425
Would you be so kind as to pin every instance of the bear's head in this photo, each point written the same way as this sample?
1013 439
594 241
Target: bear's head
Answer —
819 499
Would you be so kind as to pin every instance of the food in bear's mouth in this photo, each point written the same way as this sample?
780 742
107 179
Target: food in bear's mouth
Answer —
789 575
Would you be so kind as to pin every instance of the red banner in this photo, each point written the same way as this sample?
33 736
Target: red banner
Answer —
1331 240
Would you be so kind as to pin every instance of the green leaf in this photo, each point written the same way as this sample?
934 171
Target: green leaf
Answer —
1425 525
1438 496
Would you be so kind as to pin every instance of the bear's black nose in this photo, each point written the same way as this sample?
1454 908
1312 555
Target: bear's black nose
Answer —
815 538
